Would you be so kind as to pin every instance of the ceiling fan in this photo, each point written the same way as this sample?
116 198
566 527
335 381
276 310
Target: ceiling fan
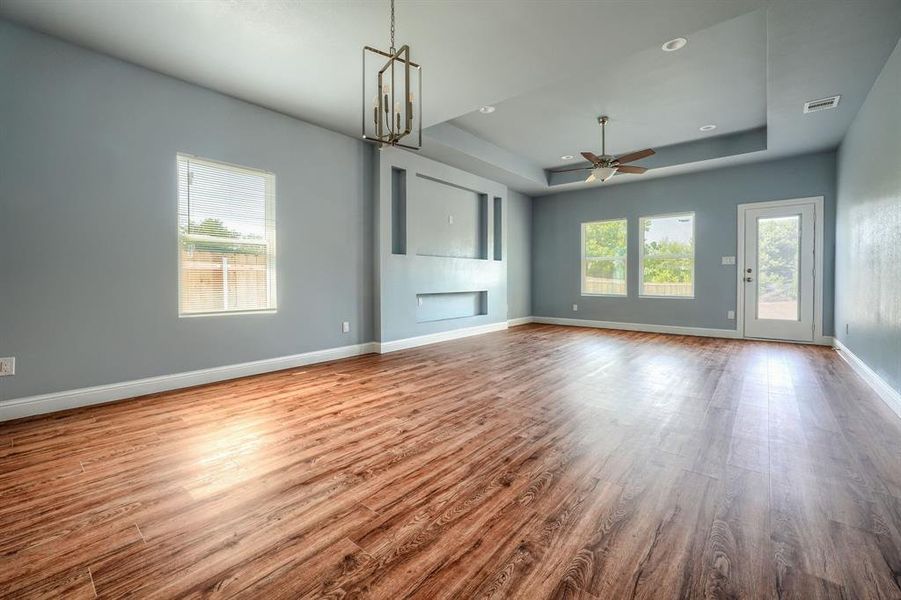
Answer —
603 167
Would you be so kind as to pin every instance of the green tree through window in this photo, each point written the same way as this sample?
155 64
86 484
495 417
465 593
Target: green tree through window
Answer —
604 268
668 255
778 259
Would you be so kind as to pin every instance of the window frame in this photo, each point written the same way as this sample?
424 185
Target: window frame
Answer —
270 241
641 256
583 260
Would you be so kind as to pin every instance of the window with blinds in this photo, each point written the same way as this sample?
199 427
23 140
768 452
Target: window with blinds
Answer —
226 238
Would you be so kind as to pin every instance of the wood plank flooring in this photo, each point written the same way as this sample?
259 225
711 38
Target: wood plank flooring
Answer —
540 462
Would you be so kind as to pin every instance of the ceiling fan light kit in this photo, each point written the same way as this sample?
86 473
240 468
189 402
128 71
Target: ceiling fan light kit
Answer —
394 116
601 174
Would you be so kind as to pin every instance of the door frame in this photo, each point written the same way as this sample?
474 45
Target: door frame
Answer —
818 271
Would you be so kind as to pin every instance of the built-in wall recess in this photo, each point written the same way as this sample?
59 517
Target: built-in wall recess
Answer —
443 306
398 211
483 226
498 229
447 220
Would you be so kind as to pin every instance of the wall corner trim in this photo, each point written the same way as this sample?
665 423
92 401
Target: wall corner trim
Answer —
520 321
57 401
432 338
646 327
889 395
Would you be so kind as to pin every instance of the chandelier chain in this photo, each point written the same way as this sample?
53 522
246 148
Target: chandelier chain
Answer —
393 49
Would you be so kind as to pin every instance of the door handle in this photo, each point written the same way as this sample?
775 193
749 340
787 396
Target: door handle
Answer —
748 280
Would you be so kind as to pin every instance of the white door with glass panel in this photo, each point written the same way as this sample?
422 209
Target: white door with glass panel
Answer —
778 275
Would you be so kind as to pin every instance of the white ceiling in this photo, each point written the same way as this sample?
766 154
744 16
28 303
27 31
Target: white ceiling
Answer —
549 66
304 58
653 98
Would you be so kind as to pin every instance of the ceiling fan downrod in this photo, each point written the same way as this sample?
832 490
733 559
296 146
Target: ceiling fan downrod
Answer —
602 120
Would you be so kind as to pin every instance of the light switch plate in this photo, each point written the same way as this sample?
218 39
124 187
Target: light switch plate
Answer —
730 314
728 260
575 307
7 366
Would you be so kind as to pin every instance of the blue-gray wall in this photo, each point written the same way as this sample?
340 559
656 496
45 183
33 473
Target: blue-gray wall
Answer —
868 229
713 196
519 256
88 280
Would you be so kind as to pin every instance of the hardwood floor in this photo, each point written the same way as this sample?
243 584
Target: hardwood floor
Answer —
541 462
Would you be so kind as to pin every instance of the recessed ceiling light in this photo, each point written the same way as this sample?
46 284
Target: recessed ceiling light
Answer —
673 45
486 110
566 157
710 127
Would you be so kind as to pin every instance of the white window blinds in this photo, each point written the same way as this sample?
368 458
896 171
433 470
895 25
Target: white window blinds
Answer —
226 238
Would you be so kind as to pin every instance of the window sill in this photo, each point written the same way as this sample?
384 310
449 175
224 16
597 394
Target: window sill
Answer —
590 295
228 313
667 297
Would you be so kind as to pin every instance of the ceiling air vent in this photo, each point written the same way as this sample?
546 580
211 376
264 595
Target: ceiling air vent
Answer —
821 104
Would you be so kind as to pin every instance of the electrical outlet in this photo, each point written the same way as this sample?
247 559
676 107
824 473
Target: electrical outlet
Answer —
450 219
345 327
7 366
730 314
575 308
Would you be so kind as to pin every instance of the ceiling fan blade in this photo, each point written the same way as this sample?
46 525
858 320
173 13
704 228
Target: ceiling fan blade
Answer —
591 179
636 155
591 157
630 169
569 170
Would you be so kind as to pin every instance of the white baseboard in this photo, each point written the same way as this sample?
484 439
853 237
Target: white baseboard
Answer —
731 334
649 328
889 395
432 338
56 401
520 321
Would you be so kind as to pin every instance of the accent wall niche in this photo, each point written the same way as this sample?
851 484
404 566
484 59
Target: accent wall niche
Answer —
440 242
